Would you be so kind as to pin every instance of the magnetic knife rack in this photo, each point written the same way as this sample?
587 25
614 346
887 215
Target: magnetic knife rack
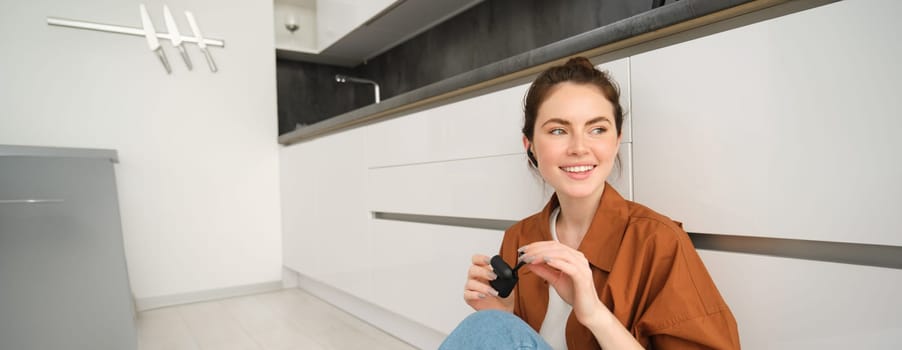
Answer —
109 28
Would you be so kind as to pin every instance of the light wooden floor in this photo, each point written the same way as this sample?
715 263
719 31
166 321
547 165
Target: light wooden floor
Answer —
286 319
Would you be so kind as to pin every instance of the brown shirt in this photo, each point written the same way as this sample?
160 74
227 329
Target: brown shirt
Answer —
646 272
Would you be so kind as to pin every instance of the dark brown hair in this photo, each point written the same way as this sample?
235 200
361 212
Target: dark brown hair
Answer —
577 70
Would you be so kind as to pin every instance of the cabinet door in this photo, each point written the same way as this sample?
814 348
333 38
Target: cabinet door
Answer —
784 128
502 188
337 18
619 71
324 213
425 283
621 177
63 279
482 126
782 303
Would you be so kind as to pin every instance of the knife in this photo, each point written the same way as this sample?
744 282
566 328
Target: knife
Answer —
151 35
201 43
174 36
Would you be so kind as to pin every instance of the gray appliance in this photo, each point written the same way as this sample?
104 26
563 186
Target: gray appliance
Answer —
63 278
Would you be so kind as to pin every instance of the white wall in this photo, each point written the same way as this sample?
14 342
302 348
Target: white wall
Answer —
198 173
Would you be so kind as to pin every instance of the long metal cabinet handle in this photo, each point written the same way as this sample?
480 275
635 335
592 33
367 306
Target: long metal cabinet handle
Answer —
29 201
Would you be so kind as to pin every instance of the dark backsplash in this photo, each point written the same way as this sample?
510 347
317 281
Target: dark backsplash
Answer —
307 93
488 32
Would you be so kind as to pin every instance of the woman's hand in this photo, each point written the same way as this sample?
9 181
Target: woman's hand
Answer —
478 293
567 270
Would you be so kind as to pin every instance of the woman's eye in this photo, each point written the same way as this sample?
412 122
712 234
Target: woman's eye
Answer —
556 131
598 131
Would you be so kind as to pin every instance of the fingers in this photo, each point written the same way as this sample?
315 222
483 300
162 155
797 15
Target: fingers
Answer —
546 272
478 290
481 272
489 302
472 295
556 255
481 260
478 275
547 251
569 267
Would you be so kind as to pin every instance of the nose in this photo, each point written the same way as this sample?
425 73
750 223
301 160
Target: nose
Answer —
577 144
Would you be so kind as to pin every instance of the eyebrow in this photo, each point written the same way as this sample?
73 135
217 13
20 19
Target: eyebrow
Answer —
567 122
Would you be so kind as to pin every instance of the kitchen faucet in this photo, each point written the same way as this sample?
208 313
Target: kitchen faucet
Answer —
344 79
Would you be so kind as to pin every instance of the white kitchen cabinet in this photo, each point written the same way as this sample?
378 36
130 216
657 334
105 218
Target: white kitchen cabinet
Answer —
500 187
420 269
301 13
486 125
619 70
63 277
336 18
785 128
621 177
324 212
782 303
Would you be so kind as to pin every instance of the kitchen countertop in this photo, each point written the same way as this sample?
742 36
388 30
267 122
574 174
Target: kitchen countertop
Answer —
40 151
650 25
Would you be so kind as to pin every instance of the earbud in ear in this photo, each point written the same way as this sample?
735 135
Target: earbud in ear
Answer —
532 158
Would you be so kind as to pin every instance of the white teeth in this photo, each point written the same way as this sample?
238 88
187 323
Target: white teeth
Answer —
577 169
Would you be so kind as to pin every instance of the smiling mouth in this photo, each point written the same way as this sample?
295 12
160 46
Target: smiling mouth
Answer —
578 169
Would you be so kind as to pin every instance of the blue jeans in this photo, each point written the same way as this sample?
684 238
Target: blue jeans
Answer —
493 329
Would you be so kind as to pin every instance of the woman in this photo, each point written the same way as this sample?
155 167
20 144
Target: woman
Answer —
601 271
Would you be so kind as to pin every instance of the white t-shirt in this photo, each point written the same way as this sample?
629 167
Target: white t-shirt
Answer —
554 327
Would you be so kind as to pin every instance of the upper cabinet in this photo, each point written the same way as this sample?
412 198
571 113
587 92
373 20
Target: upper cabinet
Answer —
337 18
295 25
349 32
310 26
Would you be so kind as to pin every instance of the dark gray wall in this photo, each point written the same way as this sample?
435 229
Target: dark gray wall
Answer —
488 32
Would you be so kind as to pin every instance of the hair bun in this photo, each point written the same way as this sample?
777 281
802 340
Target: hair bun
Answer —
580 61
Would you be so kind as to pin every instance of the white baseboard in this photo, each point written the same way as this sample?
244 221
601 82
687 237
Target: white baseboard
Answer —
399 326
205 295
289 278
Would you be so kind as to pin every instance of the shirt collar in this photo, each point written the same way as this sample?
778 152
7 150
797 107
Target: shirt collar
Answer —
602 241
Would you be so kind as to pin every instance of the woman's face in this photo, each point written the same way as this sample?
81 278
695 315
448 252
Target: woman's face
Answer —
575 141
